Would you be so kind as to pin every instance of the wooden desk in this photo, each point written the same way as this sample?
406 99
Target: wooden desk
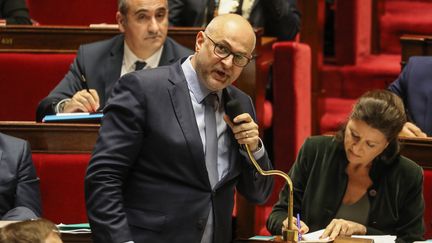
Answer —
76 238
54 138
418 149
415 45
67 39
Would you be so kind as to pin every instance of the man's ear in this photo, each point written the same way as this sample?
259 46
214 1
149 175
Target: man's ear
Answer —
199 41
121 21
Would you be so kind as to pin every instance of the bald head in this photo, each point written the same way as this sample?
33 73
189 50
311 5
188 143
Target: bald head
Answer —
223 50
232 26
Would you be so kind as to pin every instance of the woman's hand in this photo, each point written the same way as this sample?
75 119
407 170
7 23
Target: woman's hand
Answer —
344 228
303 228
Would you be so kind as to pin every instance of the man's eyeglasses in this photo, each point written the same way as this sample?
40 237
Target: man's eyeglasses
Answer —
224 52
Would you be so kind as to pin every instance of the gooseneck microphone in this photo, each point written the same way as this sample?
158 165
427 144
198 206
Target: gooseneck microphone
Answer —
233 109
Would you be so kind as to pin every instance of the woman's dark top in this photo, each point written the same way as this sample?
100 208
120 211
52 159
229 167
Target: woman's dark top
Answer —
320 181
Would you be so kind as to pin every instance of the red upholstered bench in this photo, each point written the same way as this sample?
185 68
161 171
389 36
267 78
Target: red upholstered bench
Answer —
77 12
291 114
62 186
26 78
427 194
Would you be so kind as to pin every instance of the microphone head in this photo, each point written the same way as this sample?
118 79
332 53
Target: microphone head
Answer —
233 108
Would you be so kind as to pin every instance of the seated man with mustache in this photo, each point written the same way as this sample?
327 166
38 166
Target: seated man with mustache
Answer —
143 42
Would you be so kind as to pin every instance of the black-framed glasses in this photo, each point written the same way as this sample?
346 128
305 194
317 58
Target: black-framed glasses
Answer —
224 52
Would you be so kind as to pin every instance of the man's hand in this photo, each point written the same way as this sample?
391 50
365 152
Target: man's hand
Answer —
344 228
411 130
83 101
303 227
245 130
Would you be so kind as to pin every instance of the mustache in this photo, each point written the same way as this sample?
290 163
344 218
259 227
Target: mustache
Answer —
154 35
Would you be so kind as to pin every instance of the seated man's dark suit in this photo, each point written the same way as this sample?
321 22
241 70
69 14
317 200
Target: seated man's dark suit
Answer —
279 18
101 64
19 185
147 179
414 86
14 11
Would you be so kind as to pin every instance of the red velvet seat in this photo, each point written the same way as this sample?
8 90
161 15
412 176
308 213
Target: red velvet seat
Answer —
344 84
357 68
76 12
291 114
26 78
398 17
62 186
427 194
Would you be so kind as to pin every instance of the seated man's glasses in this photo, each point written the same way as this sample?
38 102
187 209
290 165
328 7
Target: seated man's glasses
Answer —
224 52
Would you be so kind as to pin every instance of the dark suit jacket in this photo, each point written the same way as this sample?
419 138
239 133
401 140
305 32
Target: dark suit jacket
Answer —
19 185
279 18
101 64
414 86
147 180
14 11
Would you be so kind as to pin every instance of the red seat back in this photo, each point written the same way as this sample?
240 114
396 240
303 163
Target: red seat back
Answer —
75 12
291 101
62 186
291 114
26 78
427 195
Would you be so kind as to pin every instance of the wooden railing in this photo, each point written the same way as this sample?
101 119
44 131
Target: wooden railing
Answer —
415 45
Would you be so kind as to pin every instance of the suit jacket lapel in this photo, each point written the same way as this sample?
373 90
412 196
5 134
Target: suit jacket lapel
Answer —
112 66
168 55
182 105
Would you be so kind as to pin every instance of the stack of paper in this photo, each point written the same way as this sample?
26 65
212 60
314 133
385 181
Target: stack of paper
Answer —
314 237
74 228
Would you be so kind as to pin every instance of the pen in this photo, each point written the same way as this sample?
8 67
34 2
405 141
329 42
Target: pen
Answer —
299 226
81 76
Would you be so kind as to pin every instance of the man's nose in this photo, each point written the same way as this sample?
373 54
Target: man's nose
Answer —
153 26
228 61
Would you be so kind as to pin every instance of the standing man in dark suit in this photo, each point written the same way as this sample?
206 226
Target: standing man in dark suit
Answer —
151 178
144 24
19 185
279 18
414 86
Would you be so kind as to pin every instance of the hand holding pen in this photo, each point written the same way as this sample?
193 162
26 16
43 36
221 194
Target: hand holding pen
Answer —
86 100
299 225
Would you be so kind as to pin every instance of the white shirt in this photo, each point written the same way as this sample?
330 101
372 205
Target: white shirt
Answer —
129 59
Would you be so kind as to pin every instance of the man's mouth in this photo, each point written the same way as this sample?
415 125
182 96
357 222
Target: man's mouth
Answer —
221 75
152 37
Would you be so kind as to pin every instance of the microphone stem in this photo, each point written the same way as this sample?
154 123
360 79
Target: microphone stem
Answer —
290 185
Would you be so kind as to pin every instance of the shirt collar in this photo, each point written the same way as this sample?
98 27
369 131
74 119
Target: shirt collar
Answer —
129 58
198 90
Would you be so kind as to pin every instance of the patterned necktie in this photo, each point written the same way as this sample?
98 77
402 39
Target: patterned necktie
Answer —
211 148
139 65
